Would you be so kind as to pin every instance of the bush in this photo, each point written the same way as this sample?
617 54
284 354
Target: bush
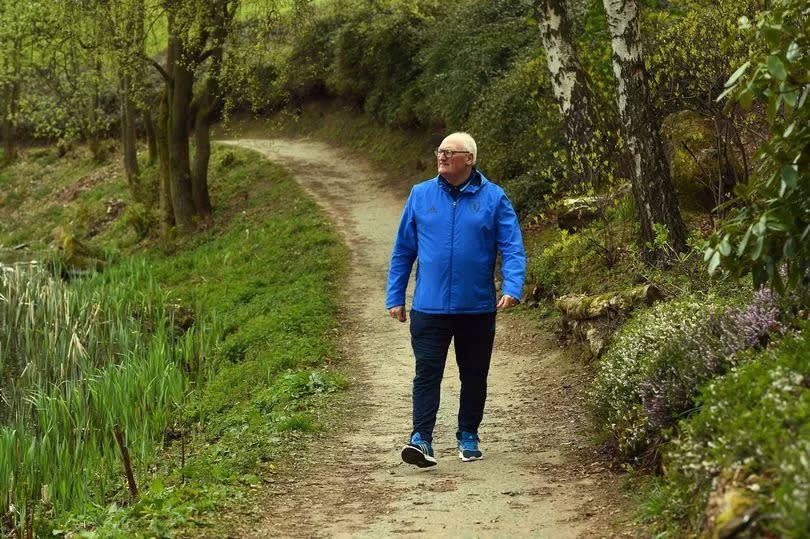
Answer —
373 57
649 378
767 234
517 125
470 46
694 50
754 422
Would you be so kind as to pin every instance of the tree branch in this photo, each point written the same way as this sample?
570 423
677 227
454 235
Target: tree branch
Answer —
166 77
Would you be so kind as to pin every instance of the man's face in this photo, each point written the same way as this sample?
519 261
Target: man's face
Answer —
457 165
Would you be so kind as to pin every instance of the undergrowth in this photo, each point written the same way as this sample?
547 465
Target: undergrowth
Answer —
262 275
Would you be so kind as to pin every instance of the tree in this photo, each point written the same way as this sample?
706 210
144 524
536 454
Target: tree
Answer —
22 26
653 192
768 232
571 88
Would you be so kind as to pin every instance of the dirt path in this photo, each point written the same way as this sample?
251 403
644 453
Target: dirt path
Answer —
538 478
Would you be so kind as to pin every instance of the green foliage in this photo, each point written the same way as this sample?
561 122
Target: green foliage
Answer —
753 425
767 233
693 48
83 358
140 219
261 278
467 50
650 341
518 150
374 57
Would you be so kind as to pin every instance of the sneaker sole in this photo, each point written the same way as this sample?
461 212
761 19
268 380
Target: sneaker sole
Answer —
468 459
412 455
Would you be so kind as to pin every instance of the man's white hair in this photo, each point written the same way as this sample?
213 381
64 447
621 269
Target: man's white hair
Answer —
467 141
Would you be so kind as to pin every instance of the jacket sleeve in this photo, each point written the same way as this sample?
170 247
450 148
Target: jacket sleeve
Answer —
402 257
510 244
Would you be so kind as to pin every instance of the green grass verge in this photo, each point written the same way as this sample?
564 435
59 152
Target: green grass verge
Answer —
263 274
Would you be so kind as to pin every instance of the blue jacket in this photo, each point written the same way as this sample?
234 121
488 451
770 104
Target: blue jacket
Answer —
456 240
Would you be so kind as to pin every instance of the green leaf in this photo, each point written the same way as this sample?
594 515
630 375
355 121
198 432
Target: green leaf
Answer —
757 252
776 68
746 98
725 246
789 130
793 51
789 248
803 98
790 94
773 107
737 74
714 262
744 242
790 175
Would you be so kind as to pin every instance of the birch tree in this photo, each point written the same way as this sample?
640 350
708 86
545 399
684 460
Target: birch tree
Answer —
570 84
654 194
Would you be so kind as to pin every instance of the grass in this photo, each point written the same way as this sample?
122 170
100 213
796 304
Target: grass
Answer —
262 279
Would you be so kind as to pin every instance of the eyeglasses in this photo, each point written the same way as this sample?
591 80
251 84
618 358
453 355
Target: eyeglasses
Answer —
439 152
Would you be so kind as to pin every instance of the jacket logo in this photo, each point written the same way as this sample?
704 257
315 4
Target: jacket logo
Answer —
432 209
476 207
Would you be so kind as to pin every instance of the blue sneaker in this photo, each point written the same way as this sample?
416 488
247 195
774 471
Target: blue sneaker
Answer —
468 446
418 452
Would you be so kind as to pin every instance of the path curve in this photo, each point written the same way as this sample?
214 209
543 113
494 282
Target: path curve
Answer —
352 482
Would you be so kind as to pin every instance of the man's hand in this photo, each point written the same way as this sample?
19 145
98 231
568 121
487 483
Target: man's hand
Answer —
506 302
398 313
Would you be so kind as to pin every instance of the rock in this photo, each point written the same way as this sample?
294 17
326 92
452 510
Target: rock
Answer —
731 508
583 307
594 335
696 160
78 255
577 213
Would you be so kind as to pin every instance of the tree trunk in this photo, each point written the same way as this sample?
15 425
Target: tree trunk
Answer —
571 88
151 137
10 104
179 104
162 142
9 137
202 140
129 139
652 185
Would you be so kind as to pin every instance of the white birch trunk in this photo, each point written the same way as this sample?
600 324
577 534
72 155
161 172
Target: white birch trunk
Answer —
652 185
569 82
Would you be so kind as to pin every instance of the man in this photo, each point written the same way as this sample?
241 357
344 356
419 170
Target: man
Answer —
454 224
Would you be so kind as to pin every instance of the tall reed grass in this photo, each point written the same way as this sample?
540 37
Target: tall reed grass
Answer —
77 360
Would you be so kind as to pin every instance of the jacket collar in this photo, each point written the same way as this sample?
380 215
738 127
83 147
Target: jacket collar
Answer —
476 180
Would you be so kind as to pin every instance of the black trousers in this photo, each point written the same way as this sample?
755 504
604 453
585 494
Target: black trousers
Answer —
472 335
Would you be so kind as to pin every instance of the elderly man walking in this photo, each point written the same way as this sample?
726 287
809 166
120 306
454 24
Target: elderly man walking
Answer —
454 224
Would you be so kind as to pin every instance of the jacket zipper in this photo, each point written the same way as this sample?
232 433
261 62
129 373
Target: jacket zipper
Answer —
452 245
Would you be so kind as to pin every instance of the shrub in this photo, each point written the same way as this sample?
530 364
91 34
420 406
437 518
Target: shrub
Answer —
470 47
649 378
693 51
373 58
755 421
767 234
517 125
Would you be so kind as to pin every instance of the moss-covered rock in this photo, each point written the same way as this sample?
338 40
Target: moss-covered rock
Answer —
81 256
700 167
